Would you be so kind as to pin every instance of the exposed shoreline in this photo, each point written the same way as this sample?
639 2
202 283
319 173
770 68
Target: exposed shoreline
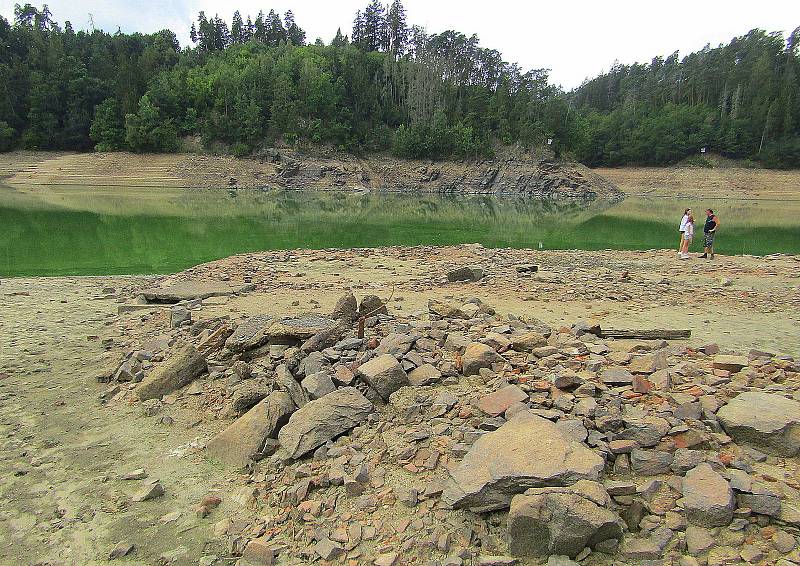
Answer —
58 335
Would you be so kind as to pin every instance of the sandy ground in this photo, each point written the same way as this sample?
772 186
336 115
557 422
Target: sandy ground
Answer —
694 182
63 452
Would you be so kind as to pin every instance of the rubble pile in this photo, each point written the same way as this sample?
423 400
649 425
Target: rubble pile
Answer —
464 436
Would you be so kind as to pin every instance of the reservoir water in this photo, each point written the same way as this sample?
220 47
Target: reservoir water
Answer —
53 230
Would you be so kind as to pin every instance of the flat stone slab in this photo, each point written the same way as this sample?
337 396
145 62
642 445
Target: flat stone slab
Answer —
250 334
770 423
497 402
191 290
300 327
527 451
733 364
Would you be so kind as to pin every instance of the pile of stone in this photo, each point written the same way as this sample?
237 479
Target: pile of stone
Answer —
462 435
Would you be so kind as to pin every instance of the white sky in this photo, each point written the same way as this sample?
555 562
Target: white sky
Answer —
574 38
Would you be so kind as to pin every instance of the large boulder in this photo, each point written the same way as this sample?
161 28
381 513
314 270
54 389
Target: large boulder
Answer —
322 420
768 422
561 520
250 334
526 452
707 497
384 374
177 371
477 356
246 435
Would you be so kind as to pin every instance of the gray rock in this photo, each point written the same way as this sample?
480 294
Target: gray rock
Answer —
325 338
178 371
527 451
761 503
769 422
467 273
477 356
248 394
384 374
616 376
178 315
246 436
372 305
528 342
424 375
647 431
685 459
322 420
698 540
707 497
396 344
300 328
561 520
318 384
650 462
250 334
287 382
346 308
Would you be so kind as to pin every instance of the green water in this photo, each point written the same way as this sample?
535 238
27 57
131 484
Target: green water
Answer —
83 230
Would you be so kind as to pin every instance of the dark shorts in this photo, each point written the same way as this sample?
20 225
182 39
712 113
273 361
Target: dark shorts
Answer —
709 239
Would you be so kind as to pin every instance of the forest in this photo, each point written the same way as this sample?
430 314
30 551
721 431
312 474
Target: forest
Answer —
387 86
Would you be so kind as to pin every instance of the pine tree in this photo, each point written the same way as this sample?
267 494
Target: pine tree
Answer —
274 33
376 36
358 29
294 34
339 40
397 28
237 25
260 28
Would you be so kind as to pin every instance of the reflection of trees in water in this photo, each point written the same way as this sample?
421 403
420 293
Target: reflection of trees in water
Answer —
395 207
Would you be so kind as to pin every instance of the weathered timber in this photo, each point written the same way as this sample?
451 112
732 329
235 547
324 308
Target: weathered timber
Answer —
655 334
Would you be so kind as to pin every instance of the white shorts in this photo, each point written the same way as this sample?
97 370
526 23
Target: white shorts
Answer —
687 237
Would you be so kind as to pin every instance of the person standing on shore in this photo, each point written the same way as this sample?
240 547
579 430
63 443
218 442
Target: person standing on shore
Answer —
687 237
709 231
682 228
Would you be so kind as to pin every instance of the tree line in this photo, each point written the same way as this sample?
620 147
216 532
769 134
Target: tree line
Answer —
386 86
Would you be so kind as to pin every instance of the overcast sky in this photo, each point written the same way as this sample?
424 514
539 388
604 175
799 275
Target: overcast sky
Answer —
574 38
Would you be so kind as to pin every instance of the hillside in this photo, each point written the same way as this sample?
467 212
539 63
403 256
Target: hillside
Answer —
514 174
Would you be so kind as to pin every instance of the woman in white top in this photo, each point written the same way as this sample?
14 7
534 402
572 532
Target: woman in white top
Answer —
682 228
688 235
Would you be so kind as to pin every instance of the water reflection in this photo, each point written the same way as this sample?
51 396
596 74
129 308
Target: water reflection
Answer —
82 230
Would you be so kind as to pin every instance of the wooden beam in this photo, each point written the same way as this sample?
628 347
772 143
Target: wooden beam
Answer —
655 334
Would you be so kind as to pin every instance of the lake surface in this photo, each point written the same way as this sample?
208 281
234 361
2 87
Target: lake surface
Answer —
90 231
